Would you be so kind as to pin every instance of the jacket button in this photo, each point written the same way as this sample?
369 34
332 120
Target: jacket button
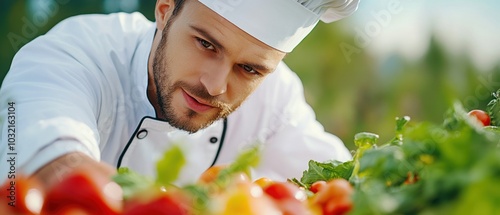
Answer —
142 134
213 139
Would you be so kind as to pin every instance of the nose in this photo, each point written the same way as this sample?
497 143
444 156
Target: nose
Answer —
215 80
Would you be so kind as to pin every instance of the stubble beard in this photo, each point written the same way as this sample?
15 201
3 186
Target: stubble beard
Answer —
165 90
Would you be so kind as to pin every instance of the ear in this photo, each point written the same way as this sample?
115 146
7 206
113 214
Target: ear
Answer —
163 11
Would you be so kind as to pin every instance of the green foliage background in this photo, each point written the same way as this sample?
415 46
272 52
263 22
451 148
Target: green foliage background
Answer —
349 95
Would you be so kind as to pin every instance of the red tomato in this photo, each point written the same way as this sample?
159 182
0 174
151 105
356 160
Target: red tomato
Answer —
83 193
285 190
21 195
292 207
317 186
482 116
337 206
289 197
335 197
161 205
334 189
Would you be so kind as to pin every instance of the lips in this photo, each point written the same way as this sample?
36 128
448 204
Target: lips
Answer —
194 104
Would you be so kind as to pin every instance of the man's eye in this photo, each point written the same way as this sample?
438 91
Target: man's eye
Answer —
249 69
206 44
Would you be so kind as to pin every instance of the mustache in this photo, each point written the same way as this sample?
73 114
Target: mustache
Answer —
200 92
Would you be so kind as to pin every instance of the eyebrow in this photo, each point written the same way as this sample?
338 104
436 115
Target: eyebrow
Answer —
209 37
259 67
219 46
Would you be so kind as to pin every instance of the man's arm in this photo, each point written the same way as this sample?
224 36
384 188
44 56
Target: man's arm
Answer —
98 174
54 88
57 170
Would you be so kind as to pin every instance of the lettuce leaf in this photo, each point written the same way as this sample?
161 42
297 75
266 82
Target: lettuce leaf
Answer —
326 171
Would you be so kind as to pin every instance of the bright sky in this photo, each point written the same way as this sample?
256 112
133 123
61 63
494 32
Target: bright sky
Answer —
404 27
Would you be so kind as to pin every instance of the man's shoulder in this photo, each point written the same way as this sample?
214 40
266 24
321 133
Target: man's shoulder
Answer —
102 44
102 23
92 38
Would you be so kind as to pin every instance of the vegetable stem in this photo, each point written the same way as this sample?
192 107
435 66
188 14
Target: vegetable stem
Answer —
363 141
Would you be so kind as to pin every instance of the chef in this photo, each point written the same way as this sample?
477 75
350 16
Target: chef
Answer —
98 92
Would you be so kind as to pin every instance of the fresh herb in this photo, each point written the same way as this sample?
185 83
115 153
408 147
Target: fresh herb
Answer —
493 108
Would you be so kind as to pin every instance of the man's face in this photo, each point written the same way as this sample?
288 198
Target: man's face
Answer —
204 67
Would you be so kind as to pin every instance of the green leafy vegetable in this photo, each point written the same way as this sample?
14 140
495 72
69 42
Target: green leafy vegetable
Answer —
363 141
244 162
452 168
400 124
170 165
493 109
168 169
437 170
326 171
131 182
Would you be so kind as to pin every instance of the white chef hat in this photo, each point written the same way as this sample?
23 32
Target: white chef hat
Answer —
281 24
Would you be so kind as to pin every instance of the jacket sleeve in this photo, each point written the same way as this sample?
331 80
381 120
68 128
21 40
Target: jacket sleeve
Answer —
56 101
293 136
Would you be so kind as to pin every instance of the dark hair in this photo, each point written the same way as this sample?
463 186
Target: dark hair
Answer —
178 4
177 7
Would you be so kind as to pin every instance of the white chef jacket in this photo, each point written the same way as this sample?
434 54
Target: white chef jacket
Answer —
82 87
